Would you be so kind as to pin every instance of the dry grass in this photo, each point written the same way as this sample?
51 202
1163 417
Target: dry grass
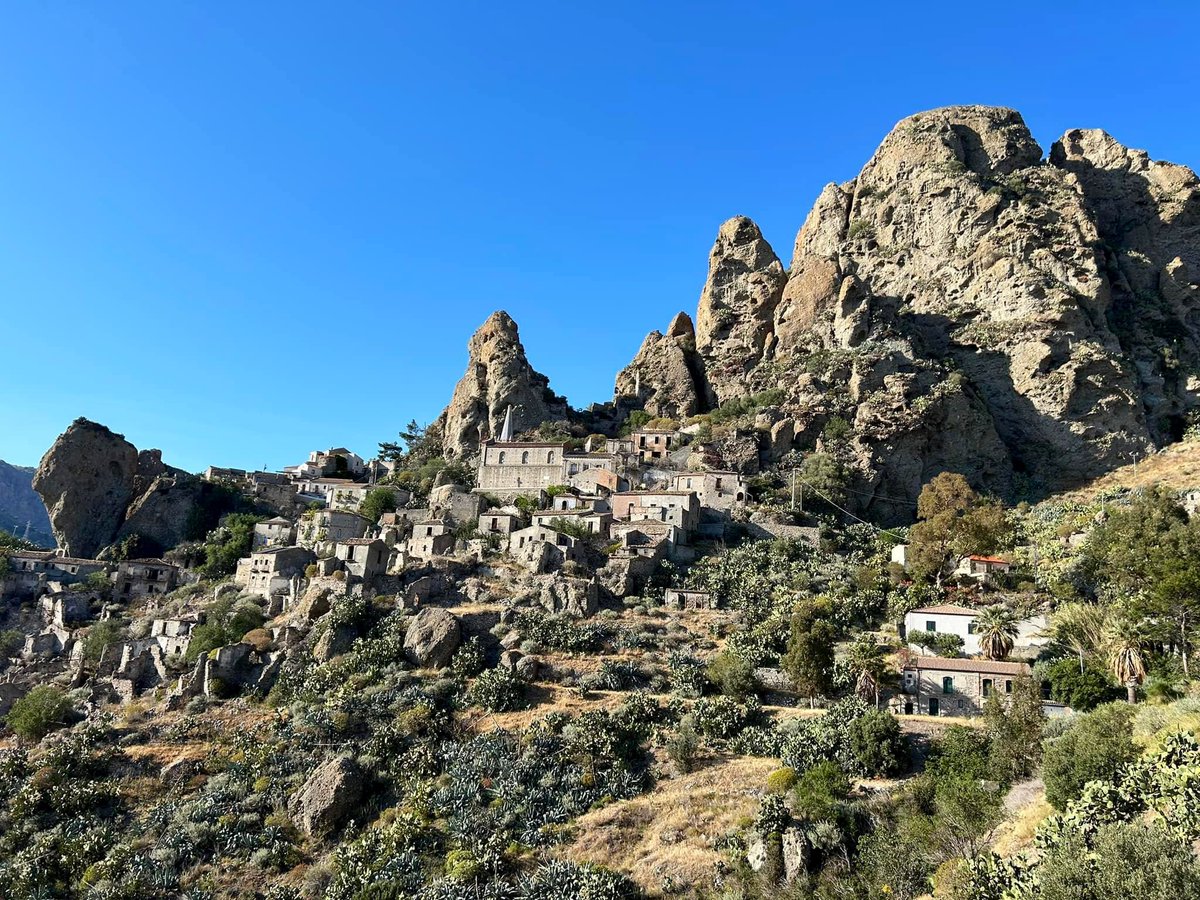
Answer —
1016 832
664 838
1176 466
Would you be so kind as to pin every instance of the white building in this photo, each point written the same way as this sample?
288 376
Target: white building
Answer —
948 618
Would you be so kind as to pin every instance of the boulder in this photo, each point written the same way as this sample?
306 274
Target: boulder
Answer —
509 660
315 602
432 637
336 640
330 795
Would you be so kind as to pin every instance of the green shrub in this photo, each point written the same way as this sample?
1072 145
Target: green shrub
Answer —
1096 746
497 690
1082 691
782 780
732 675
39 712
684 745
878 745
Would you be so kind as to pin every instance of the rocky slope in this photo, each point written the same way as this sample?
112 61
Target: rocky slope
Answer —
21 507
99 490
498 376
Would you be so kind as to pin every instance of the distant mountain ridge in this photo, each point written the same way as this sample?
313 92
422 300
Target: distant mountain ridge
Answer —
20 506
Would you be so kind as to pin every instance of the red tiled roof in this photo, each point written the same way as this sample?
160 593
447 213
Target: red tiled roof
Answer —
988 559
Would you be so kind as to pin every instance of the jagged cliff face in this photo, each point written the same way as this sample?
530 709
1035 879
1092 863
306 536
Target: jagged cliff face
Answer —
498 376
958 254
969 306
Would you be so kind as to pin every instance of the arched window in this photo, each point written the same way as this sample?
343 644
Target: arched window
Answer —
550 458
501 457
525 458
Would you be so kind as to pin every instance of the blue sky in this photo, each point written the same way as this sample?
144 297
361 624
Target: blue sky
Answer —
238 232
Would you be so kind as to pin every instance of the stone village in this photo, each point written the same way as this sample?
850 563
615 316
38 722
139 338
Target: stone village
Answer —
580 523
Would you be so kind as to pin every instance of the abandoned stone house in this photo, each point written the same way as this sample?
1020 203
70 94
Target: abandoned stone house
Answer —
678 598
653 444
64 608
270 572
330 525
363 558
33 572
497 521
431 538
576 463
276 532
173 635
722 491
645 538
592 521
508 468
937 686
139 577
618 446
597 481
678 508
349 497
336 461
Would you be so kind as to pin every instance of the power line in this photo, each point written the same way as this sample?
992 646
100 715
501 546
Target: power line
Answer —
846 511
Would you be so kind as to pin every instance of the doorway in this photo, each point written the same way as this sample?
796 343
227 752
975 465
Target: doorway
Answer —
933 706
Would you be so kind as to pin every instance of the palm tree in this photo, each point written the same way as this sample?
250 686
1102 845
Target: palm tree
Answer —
1078 626
867 659
1125 650
997 629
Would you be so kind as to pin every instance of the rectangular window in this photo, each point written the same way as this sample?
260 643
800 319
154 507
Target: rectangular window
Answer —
987 687
930 625
948 685
971 628
1008 687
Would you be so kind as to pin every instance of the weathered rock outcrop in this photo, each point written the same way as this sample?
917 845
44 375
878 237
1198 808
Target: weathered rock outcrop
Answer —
735 318
86 480
498 376
959 288
98 489
666 377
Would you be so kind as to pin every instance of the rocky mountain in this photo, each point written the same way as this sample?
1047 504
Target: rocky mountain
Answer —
20 507
965 303
99 489
498 376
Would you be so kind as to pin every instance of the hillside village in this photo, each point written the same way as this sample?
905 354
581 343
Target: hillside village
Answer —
805 610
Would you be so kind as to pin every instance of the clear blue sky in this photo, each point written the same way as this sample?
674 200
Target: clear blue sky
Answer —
240 231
